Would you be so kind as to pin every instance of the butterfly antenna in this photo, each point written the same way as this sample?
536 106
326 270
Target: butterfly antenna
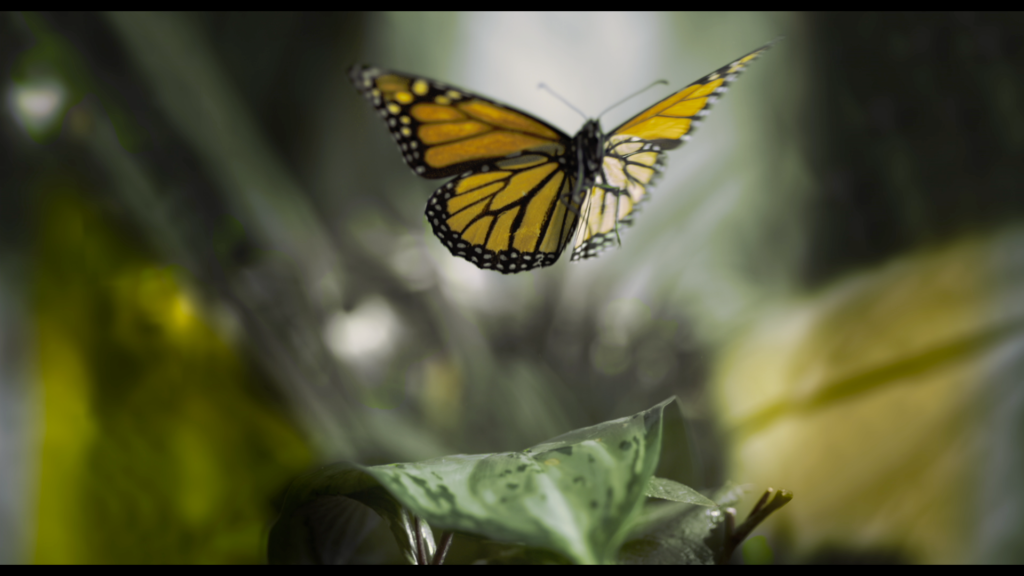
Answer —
544 86
651 85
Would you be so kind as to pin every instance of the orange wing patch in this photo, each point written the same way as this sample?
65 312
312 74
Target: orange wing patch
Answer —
490 145
391 84
503 118
537 210
522 184
660 121
435 113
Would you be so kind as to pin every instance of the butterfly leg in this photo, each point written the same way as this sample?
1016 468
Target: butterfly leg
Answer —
579 188
618 240
570 204
574 199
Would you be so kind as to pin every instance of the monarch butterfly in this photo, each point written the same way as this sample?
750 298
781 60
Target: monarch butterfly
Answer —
524 188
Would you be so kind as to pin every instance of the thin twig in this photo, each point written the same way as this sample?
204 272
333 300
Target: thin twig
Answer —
782 497
734 536
421 554
763 500
442 548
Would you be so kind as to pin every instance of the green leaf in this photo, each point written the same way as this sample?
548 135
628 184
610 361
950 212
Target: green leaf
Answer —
574 494
672 533
671 490
679 533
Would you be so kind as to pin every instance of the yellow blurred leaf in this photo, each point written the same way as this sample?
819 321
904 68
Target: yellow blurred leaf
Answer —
875 400
156 443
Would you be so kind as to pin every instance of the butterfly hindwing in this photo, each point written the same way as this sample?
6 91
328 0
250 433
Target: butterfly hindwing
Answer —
509 215
634 152
443 131
628 168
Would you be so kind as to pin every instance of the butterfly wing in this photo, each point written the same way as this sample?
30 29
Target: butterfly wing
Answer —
443 131
634 155
508 209
509 215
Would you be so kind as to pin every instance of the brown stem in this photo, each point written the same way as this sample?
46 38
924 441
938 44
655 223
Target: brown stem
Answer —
728 528
762 501
421 554
730 522
442 547
764 507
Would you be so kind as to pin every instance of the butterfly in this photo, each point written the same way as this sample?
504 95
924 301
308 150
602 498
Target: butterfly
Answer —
522 188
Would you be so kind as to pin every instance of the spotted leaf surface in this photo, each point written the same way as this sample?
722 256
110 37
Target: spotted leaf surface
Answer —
574 494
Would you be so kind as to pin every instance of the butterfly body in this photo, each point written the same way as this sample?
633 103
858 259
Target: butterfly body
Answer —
589 143
522 188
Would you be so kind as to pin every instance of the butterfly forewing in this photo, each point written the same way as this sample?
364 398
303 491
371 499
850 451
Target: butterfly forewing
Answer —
669 122
635 150
443 131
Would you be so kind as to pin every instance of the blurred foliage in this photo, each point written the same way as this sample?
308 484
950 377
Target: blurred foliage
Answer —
154 445
757 552
52 68
920 129
892 375
849 203
891 392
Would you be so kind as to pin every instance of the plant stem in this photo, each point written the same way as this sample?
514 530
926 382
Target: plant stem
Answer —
421 554
769 502
442 548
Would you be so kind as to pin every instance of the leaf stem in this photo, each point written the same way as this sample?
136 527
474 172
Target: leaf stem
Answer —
421 553
442 548
769 502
